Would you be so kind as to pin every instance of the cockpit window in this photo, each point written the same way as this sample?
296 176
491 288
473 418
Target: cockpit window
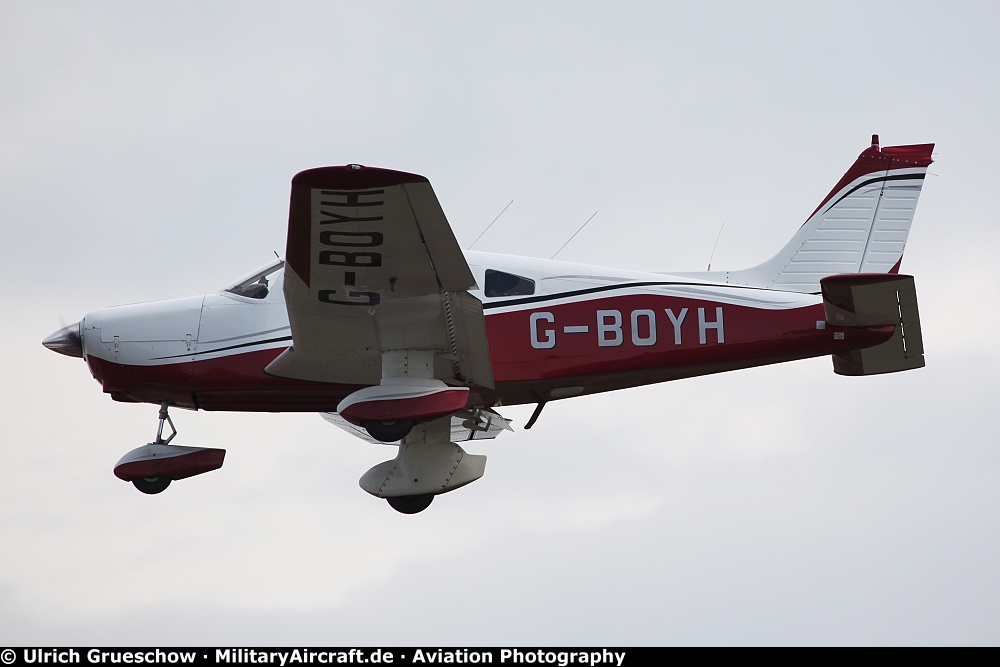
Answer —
499 283
256 285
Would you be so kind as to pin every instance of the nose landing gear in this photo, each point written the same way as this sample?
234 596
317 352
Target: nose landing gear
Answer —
153 466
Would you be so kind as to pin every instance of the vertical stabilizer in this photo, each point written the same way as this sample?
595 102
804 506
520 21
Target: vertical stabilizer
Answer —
860 227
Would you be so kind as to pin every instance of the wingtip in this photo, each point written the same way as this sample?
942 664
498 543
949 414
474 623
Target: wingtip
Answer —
353 176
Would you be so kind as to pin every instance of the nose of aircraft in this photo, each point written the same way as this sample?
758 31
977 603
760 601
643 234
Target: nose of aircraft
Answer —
66 341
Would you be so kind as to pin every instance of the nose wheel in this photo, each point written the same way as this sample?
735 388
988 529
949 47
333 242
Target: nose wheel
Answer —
151 485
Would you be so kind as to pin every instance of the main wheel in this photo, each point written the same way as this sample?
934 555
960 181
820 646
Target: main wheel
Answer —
151 485
410 504
388 431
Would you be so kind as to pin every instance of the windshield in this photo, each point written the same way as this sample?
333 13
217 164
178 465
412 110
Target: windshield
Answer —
255 285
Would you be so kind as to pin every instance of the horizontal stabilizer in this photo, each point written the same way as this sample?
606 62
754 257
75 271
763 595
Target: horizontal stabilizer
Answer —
872 300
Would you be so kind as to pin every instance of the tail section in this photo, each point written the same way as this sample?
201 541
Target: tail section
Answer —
861 226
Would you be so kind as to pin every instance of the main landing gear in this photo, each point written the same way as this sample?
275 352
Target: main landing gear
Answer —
152 467
427 464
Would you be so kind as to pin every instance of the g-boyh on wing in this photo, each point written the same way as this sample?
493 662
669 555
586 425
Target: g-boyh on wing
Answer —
372 267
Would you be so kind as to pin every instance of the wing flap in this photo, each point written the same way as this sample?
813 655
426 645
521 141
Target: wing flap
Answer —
473 346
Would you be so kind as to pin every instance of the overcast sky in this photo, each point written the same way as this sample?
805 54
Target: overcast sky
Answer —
147 150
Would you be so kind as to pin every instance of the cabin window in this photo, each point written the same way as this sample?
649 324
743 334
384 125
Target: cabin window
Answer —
499 283
257 284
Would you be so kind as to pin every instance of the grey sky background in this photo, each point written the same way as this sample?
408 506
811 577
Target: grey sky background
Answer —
147 153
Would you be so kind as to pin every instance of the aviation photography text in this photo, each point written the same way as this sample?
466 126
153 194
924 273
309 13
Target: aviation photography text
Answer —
313 656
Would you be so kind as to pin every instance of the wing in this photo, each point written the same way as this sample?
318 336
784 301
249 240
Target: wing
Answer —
372 266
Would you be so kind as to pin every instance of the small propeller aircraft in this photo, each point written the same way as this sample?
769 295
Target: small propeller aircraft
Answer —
377 319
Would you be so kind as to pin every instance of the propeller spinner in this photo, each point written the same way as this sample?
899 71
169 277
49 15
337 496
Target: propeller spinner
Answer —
66 341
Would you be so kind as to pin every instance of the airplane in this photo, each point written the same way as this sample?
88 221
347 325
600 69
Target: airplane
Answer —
377 319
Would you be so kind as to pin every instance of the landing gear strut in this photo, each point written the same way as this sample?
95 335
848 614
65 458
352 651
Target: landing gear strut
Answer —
154 485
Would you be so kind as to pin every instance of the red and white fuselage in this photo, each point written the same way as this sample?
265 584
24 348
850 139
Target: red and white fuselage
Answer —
378 315
585 329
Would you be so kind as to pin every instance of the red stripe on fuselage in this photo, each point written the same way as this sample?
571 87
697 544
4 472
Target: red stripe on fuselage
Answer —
642 332
236 382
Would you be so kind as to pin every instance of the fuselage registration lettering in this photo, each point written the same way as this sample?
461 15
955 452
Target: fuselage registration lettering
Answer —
339 247
609 326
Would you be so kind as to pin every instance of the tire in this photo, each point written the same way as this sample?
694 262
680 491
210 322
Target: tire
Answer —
410 504
151 485
391 431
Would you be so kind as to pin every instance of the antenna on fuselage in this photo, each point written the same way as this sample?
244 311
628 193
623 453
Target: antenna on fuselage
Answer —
572 237
490 225
715 246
